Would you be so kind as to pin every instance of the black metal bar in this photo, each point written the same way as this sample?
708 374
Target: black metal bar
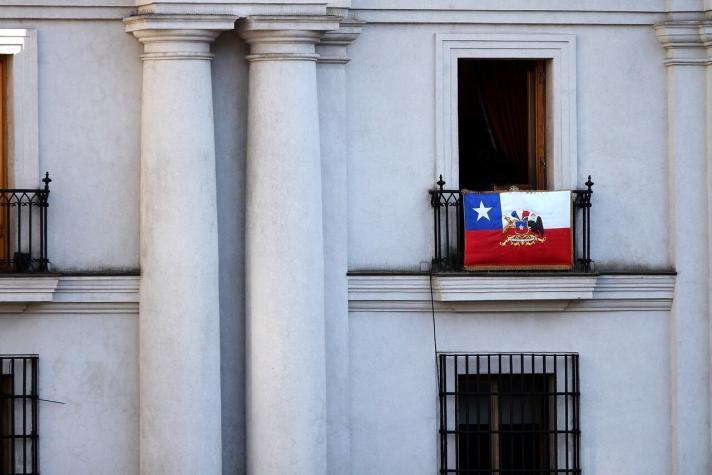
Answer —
456 418
29 226
24 415
8 234
443 411
35 416
12 416
566 407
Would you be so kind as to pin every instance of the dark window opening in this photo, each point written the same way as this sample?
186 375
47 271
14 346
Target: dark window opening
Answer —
501 124
509 414
19 400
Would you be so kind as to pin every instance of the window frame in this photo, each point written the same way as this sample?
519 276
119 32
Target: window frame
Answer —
562 434
558 50
22 148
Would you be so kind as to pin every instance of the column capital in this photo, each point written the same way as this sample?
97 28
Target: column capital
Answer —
332 47
177 36
683 42
285 38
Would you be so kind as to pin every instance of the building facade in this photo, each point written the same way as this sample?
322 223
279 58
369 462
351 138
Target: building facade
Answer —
241 264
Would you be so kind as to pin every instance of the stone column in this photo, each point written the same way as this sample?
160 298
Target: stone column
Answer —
179 315
331 76
286 381
689 319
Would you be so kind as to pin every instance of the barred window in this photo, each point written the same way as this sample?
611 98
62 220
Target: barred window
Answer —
509 413
19 415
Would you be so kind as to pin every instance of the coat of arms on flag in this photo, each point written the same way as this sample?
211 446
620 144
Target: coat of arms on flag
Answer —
518 230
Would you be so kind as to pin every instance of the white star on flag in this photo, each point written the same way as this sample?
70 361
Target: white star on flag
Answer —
482 211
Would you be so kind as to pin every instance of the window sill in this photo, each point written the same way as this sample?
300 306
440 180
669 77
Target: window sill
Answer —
16 288
510 293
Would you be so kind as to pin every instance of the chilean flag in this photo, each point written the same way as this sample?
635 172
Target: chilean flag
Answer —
518 230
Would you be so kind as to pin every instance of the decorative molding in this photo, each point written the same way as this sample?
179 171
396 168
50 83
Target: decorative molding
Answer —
177 37
686 42
462 289
27 289
559 49
332 47
550 6
23 142
237 8
530 293
43 11
180 23
532 15
69 294
97 289
285 38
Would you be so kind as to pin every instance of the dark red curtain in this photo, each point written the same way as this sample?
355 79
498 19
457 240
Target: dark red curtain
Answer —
504 92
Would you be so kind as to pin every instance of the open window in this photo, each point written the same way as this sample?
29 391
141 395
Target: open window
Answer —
502 124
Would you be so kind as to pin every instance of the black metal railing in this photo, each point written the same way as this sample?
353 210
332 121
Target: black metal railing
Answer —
509 413
448 228
19 414
23 229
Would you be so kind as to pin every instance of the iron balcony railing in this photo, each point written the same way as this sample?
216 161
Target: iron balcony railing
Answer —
448 228
23 229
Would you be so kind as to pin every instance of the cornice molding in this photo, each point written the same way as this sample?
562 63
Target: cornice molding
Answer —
686 42
27 289
332 47
552 293
184 22
236 8
57 294
176 37
285 38
294 23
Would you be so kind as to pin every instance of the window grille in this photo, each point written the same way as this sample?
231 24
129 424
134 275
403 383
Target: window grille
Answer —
19 400
509 413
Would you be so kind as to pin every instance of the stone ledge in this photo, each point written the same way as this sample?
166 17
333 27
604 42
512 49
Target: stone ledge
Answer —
69 294
28 289
516 293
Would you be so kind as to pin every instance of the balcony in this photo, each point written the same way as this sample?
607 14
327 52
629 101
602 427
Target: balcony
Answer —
448 287
23 229
448 237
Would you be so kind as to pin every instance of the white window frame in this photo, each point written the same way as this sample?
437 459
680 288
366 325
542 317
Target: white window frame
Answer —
559 50
22 107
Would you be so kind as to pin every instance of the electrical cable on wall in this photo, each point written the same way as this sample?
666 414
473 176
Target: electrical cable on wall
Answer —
435 334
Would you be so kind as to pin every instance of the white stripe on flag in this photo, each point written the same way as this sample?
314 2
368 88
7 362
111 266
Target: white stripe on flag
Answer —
554 207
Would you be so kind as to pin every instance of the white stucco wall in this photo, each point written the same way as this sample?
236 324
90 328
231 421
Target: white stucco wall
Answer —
90 90
624 365
621 140
90 364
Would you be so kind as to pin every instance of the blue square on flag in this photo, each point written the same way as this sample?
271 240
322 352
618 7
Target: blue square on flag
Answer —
482 211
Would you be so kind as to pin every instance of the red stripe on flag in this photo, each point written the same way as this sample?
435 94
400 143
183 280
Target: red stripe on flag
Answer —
484 249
